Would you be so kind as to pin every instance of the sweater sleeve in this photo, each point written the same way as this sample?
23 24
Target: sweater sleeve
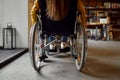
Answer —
35 9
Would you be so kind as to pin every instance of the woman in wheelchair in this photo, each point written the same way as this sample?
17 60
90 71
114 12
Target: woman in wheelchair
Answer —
56 10
58 20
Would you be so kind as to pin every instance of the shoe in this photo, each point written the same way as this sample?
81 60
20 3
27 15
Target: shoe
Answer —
63 45
52 46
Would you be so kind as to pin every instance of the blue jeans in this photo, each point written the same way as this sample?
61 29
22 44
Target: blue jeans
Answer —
63 38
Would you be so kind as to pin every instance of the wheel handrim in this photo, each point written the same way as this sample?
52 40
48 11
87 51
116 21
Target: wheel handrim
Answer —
79 49
37 51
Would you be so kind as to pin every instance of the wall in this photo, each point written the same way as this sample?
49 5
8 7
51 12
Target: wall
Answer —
1 21
16 11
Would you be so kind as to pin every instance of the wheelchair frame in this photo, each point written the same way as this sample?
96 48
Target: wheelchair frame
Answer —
38 45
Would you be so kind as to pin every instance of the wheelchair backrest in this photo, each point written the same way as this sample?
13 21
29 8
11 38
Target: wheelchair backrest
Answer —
64 26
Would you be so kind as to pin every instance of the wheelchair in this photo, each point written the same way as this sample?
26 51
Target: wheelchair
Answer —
39 44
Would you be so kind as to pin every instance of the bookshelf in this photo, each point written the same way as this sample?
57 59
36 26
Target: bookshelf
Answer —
99 10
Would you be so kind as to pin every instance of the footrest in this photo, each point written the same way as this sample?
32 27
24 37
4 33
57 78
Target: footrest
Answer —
67 49
55 50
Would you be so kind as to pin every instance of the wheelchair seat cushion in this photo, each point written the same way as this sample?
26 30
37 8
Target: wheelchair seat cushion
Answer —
64 26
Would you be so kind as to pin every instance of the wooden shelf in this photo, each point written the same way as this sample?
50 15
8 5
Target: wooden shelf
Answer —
111 9
94 25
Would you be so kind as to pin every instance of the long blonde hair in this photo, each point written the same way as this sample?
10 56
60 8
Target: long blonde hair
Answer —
57 9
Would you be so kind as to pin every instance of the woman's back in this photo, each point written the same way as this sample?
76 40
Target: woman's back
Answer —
61 21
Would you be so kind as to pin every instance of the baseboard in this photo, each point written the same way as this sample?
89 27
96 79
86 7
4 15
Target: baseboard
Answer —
12 58
1 47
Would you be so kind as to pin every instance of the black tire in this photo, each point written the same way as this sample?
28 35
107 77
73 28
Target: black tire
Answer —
35 46
79 47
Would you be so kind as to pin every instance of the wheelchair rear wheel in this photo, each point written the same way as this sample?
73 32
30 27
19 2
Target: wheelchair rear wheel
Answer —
79 47
36 43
